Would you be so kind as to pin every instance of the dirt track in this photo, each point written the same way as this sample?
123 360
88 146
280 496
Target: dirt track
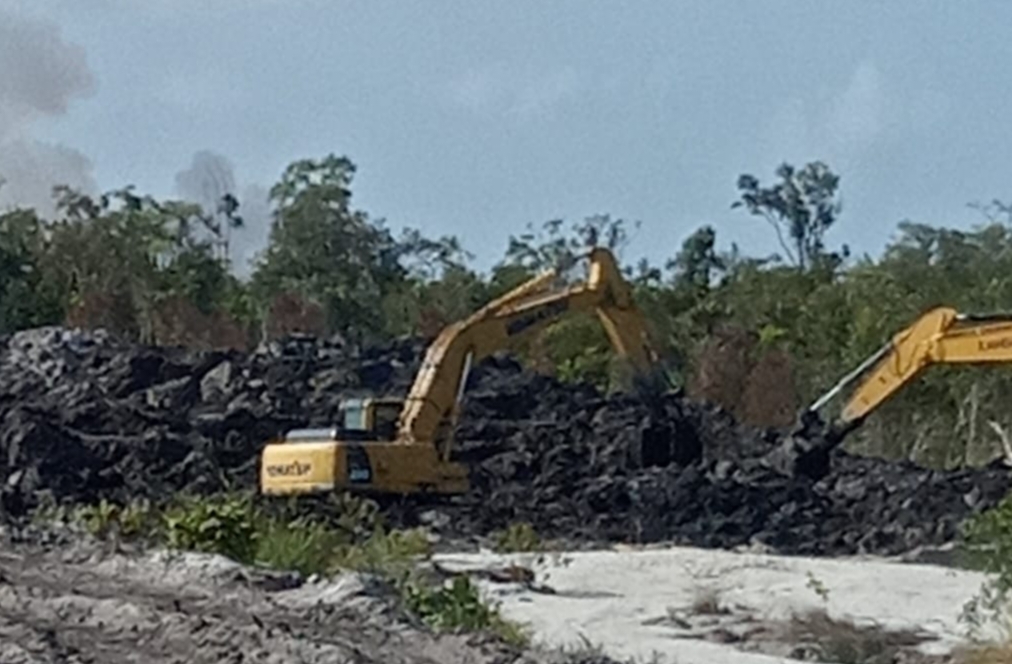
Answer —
81 605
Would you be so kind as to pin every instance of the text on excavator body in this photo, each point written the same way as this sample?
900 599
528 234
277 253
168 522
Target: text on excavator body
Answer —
995 344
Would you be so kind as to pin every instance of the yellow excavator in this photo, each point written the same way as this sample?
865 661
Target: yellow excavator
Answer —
394 446
939 336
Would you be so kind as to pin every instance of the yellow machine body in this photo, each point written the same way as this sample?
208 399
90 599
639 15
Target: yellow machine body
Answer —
372 466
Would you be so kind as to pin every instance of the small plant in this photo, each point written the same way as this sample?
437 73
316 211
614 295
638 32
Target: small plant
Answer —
49 511
98 519
104 519
303 545
458 606
987 545
519 537
817 586
137 519
358 516
707 602
388 554
226 525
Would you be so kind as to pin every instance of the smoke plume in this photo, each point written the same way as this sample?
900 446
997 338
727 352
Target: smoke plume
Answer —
211 176
40 75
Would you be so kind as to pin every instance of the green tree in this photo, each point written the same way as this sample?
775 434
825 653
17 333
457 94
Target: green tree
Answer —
26 300
803 203
116 259
697 263
323 249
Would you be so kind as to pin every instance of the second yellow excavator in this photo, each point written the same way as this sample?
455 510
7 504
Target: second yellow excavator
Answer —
393 446
940 336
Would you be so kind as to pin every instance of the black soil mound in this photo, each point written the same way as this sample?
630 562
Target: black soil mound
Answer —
83 417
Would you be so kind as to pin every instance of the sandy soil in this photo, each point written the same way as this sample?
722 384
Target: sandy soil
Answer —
711 607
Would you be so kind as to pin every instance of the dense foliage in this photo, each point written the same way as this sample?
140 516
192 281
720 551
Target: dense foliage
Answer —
760 335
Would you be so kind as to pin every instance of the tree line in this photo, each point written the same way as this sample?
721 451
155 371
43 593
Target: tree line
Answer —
760 336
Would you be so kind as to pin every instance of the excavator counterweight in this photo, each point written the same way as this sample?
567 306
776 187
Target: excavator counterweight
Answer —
402 447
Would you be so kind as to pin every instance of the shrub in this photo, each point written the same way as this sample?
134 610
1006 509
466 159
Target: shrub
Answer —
135 519
518 537
987 544
458 606
387 554
301 544
226 525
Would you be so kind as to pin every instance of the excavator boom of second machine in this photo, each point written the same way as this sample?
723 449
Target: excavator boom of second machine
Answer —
940 336
402 447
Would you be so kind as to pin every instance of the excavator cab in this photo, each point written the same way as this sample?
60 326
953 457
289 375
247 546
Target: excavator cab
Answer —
370 418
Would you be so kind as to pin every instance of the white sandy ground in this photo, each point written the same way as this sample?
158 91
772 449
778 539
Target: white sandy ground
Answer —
612 599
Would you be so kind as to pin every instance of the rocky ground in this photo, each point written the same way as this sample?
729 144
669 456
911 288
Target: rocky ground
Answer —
83 417
81 604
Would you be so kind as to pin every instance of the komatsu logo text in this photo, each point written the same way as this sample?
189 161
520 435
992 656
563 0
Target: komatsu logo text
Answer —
295 469
995 344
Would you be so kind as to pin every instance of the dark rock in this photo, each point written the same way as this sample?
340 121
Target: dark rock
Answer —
84 417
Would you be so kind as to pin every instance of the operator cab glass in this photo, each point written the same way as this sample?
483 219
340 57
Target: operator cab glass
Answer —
370 418
356 415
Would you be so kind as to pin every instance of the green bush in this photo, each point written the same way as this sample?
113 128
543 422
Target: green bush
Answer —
220 524
135 519
388 554
987 546
518 537
306 546
458 606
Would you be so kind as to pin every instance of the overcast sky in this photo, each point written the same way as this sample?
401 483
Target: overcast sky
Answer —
473 117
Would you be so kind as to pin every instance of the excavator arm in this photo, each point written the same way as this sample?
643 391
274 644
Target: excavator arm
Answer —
940 336
434 399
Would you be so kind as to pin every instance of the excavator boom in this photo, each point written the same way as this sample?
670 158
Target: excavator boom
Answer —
435 395
940 336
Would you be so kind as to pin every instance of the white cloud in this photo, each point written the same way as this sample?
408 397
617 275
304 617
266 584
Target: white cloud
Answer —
866 114
859 114
499 89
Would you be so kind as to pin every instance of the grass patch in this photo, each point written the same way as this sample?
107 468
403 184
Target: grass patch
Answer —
300 544
843 642
518 538
987 655
347 535
987 547
458 606
391 553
